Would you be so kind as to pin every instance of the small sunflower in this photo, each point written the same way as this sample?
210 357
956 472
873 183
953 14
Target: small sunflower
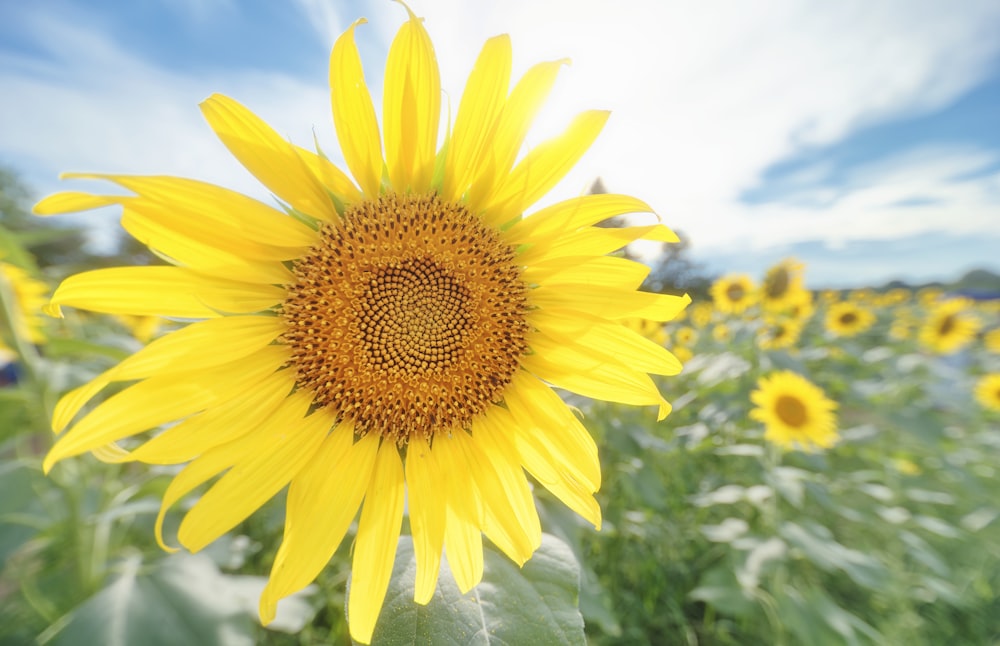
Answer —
779 333
988 391
733 293
950 326
686 336
701 314
795 413
392 337
27 298
991 341
722 333
783 286
848 319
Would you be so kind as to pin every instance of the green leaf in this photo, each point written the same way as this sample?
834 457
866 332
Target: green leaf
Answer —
536 604
184 599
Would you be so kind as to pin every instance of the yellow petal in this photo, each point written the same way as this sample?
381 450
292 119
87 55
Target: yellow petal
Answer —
323 500
219 424
572 214
502 453
609 271
532 402
204 211
592 375
482 101
525 100
411 107
143 224
332 177
171 292
354 114
463 538
591 241
610 340
501 519
546 465
427 516
271 159
375 548
609 302
283 444
198 346
542 168
71 202
162 399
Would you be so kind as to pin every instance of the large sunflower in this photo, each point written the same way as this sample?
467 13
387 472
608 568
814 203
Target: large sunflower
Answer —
848 319
394 336
733 293
950 326
795 412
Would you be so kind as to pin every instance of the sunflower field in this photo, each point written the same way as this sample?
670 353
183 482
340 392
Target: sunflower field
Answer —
827 476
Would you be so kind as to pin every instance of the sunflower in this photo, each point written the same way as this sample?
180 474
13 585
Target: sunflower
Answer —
783 286
686 336
722 333
988 391
733 293
399 332
991 341
795 412
779 333
701 314
848 319
950 326
27 296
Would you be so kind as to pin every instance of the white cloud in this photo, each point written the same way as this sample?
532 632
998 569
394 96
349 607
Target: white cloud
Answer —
704 97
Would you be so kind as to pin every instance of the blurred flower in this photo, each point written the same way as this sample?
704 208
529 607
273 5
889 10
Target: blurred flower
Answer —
795 413
991 341
988 391
783 286
848 319
401 334
143 328
803 309
779 333
29 295
686 336
949 327
722 333
733 293
701 314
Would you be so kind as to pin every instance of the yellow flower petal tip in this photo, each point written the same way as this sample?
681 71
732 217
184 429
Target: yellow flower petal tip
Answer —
53 310
405 331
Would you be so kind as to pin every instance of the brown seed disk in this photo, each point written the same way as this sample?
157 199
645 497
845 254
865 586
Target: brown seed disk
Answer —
407 317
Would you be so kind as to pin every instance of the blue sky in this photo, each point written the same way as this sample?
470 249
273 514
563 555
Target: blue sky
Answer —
862 138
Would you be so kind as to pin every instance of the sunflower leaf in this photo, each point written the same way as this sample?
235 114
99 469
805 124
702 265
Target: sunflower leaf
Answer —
536 604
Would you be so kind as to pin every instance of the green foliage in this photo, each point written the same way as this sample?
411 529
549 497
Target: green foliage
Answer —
535 604
710 535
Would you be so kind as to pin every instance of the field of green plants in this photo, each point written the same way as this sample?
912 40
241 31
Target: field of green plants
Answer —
716 530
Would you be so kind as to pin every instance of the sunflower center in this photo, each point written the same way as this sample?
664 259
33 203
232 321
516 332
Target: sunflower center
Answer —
734 292
791 411
407 318
947 325
848 318
776 282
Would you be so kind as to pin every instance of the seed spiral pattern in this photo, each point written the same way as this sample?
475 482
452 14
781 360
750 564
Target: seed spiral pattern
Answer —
407 317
